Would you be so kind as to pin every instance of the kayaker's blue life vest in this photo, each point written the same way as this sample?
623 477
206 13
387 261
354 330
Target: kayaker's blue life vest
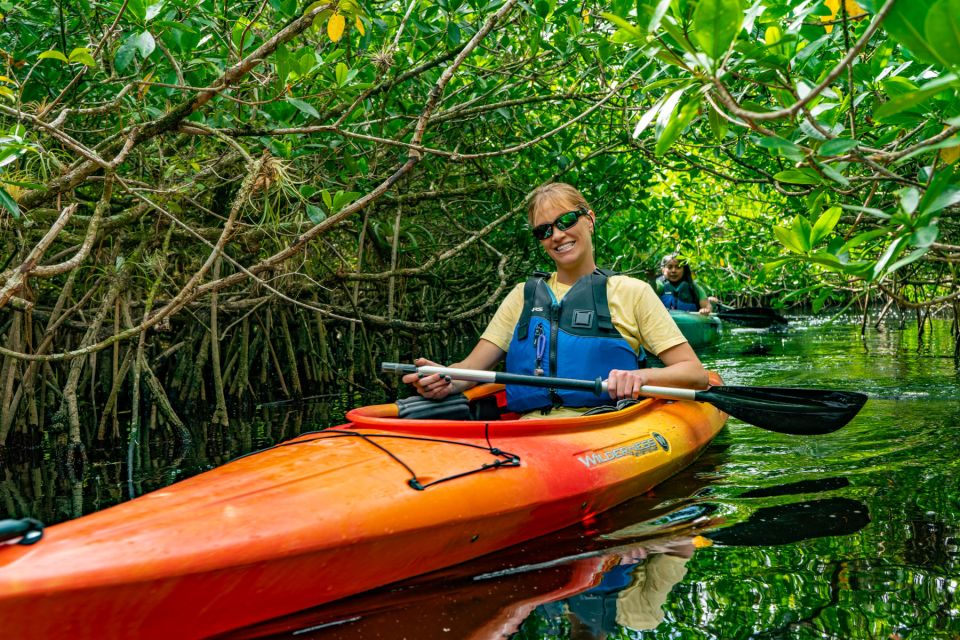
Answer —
573 338
681 296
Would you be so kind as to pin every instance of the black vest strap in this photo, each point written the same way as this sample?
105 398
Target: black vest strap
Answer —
529 293
598 285
604 323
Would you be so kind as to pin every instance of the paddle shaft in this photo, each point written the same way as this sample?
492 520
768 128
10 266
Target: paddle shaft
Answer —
598 386
793 411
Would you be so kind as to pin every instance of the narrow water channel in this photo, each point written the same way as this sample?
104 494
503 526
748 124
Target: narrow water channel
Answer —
853 534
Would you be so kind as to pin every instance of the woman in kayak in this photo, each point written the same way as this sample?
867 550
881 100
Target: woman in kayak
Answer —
677 289
577 322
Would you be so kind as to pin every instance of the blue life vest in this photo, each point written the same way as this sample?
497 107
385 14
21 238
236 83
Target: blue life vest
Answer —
681 296
573 338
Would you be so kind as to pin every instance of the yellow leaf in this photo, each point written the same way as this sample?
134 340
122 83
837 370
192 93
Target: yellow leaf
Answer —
772 35
854 10
950 154
335 26
699 542
586 16
145 86
360 27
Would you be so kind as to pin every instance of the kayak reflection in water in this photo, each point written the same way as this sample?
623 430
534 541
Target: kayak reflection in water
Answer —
577 322
631 594
632 586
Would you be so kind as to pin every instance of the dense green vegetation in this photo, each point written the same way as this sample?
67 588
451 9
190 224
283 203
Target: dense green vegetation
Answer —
210 201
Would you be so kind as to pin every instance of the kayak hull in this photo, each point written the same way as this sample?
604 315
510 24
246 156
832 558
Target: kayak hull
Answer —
700 331
334 513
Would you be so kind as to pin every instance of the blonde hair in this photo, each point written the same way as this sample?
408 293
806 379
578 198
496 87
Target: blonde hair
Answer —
554 193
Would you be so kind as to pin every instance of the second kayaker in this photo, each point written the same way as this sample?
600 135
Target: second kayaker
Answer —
577 322
677 288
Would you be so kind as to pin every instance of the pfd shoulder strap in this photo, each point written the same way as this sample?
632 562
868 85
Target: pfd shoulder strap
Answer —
529 294
599 283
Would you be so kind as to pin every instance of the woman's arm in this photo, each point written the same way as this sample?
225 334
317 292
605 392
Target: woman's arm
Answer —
683 369
485 355
703 301
705 307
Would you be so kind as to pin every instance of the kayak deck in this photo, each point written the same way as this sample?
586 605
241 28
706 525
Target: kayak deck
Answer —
334 513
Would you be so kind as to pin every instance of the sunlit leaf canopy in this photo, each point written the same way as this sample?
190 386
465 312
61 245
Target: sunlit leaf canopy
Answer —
369 161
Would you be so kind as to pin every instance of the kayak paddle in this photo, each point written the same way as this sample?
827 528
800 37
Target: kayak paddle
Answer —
780 409
25 531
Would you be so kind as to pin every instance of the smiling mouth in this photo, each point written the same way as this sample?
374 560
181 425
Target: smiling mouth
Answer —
563 248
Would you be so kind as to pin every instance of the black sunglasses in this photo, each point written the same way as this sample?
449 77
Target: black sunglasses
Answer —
563 222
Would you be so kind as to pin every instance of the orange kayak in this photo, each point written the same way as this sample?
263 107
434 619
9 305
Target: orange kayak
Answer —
335 513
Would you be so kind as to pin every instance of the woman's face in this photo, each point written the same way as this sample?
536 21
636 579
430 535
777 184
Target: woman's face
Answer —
571 247
673 271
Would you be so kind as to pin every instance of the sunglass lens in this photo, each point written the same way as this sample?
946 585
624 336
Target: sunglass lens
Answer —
567 220
542 231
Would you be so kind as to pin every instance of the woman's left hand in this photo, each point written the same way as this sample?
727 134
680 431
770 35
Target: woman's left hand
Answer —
704 311
625 384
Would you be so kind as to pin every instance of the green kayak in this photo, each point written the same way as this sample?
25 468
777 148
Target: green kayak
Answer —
699 330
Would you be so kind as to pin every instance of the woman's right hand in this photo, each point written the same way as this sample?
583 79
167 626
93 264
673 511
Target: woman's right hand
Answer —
433 386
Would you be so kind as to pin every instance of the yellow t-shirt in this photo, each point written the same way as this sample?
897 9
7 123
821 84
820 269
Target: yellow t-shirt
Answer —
635 311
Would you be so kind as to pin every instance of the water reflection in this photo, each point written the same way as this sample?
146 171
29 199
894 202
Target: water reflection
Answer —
593 594
896 576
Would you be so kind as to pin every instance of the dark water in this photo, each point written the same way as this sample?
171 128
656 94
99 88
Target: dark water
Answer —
848 535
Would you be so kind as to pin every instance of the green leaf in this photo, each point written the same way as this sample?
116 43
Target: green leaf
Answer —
915 97
305 107
798 176
341 73
137 9
667 111
657 15
826 259
315 214
647 118
833 174
153 11
144 42
54 54
782 147
677 124
769 267
124 56
861 238
82 55
892 252
925 236
906 22
909 198
327 200
914 255
8 203
837 146
638 34
938 186
942 30
825 224
797 237
877 213
802 232
715 24
342 199
717 124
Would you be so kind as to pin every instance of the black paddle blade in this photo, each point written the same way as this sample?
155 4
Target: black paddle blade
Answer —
786 410
789 523
758 317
